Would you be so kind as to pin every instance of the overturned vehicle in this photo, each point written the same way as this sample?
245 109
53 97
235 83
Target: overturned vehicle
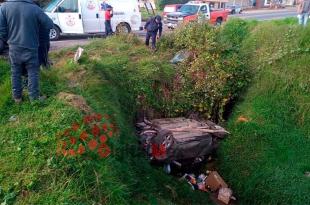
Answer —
179 142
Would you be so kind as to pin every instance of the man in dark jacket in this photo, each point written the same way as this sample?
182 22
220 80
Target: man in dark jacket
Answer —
153 26
20 22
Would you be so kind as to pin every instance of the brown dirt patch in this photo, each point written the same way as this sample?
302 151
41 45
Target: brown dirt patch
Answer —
75 101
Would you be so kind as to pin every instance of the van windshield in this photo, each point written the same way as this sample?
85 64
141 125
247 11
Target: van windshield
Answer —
51 6
191 9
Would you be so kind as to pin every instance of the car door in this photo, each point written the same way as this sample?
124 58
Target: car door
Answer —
91 15
204 13
70 17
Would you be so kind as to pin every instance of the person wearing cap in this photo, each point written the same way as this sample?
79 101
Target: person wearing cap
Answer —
108 17
153 27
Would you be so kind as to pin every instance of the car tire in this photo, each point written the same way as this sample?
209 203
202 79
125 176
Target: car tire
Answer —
123 28
54 33
233 11
218 21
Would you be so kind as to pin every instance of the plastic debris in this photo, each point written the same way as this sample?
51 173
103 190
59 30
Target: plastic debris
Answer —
13 118
225 195
78 54
181 56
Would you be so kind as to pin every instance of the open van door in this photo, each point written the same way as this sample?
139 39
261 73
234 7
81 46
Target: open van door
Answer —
70 16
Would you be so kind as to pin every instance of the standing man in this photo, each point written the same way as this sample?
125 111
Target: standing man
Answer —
108 17
153 26
303 10
20 23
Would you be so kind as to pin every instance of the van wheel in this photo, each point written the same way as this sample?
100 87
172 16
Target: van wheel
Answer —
123 28
54 33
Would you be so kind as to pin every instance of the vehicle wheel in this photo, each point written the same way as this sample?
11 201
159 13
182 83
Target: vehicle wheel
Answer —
54 33
123 28
218 22
233 11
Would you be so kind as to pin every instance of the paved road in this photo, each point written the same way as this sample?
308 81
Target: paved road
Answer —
260 15
71 41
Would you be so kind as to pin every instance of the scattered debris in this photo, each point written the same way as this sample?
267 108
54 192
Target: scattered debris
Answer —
181 56
213 183
78 54
225 195
197 184
13 118
75 101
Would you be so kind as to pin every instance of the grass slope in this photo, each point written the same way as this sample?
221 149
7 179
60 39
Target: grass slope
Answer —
266 158
30 173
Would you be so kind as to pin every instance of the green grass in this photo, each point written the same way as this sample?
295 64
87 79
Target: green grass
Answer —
265 159
30 172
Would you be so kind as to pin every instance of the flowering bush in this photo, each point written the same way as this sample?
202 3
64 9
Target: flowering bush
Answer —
88 138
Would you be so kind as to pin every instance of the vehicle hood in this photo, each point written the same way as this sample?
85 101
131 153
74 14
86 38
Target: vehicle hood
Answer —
179 14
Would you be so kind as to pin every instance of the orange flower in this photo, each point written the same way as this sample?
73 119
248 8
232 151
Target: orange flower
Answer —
72 153
84 136
96 131
75 126
98 117
105 127
110 134
81 150
104 151
73 140
92 145
103 139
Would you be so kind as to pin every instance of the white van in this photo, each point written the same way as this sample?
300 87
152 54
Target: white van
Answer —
87 16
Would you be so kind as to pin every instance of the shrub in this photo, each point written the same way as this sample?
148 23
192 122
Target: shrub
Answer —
217 71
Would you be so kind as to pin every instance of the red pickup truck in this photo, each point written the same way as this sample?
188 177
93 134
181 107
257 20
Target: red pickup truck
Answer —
195 10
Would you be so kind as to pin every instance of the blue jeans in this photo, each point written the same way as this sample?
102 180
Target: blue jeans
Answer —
108 28
150 35
303 18
27 59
